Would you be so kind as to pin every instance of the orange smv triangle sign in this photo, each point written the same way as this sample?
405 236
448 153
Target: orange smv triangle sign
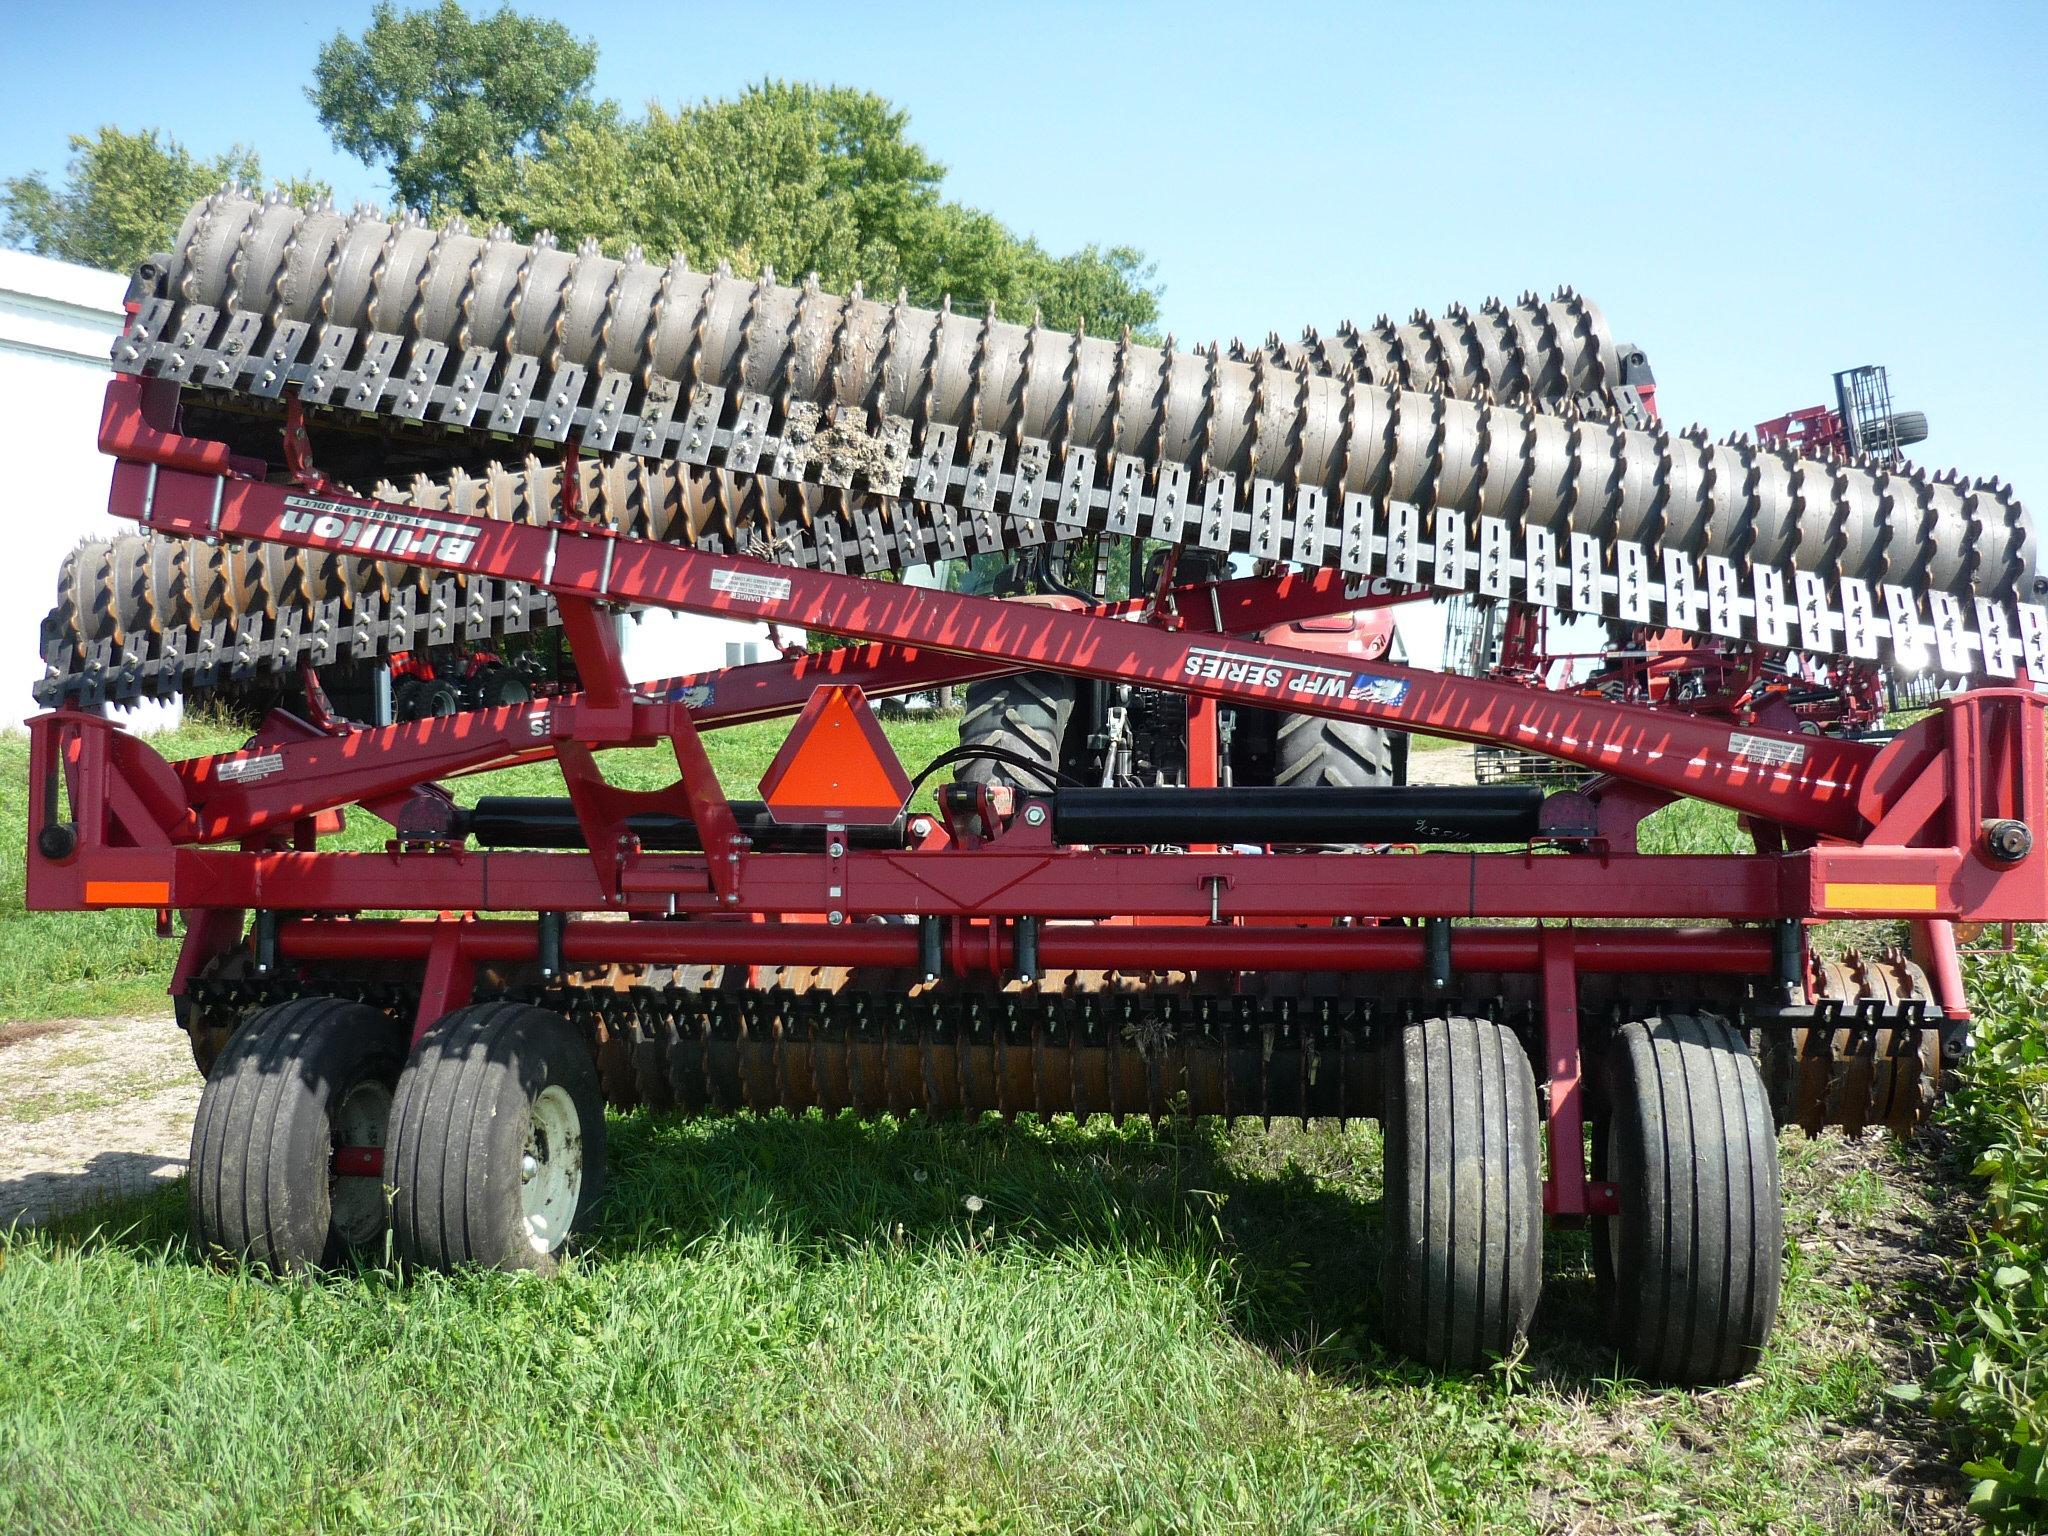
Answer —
836 767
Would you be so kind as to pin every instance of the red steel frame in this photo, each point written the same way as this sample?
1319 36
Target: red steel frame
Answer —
1843 828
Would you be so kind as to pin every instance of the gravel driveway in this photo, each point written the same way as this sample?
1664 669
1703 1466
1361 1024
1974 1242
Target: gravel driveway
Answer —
91 1109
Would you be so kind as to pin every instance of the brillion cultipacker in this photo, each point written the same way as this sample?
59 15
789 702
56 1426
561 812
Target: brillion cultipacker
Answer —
346 438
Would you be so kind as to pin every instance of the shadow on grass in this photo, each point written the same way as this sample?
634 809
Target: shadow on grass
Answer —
151 1221
1287 1224
105 1186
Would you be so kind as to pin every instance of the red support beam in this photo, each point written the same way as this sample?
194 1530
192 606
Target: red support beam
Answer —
1566 1190
1807 782
451 972
982 946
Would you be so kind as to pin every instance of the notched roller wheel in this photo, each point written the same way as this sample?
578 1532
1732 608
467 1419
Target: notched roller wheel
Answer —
296 1082
496 1153
1463 1263
1691 1267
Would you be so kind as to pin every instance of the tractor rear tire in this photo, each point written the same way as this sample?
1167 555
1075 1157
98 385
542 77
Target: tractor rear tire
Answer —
1693 1264
1025 715
1463 1262
297 1081
496 1154
1310 751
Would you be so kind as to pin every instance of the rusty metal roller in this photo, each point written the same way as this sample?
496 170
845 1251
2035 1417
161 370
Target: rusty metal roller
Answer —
1852 1073
673 329
1551 351
142 595
698 1040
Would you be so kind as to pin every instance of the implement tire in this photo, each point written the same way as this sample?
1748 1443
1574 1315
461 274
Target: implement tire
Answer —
1463 1263
1024 714
1693 1264
297 1081
496 1149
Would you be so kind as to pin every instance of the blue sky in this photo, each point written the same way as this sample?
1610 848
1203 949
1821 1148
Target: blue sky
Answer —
1757 195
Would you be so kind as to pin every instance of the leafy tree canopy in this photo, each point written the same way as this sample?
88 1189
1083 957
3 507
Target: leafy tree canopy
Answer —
122 198
425 94
493 116
803 179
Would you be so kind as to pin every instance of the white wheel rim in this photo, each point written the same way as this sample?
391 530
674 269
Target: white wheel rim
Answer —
356 1202
551 1169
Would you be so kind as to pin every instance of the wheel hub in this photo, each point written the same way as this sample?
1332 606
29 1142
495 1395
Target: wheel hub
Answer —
357 1201
551 1169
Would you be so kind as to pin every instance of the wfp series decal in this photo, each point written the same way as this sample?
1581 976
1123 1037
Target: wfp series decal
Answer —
1300 680
1256 672
379 530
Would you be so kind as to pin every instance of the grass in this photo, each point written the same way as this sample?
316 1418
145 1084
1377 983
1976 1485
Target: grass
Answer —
1992 1374
796 1325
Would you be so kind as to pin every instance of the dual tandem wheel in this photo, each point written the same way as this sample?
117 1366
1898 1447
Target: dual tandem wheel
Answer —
492 1132
494 1155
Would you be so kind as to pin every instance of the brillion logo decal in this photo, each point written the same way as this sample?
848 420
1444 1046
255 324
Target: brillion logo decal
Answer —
377 530
1302 682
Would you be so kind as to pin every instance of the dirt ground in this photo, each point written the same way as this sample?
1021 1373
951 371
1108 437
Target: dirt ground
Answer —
91 1109
1448 765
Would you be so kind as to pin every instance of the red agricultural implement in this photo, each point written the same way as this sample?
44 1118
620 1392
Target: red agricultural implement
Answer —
1553 1025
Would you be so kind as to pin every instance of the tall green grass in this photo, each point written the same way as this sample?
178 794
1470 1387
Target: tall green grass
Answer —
791 1325
1992 1373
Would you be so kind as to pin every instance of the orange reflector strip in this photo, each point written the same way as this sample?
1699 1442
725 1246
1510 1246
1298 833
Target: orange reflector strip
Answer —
1881 896
127 893
837 766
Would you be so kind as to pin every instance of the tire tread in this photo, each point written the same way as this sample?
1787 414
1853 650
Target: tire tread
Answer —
466 1075
1464 1244
249 1187
1699 1262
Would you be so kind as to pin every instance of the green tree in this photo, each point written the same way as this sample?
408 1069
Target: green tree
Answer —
803 179
428 94
123 197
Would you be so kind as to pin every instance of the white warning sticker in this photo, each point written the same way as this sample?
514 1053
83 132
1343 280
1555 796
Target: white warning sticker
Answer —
750 586
1767 750
243 769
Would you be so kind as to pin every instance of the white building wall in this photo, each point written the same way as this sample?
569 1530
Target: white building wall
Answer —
658 643
57 325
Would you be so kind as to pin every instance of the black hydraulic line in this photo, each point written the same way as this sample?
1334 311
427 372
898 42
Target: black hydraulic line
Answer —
542 821
1295 816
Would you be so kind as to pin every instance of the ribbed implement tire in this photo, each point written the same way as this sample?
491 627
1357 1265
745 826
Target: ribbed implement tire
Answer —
1695 1260
295 1081
1024 714
472 1099
1310 751
1463 1263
